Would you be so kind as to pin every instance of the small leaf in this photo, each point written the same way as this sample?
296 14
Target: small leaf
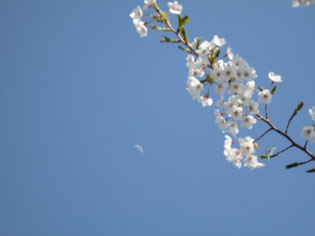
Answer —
311 170
299 107
182 22
295 164
159 28
264 156
198 43
183 33
168 40
209 79
217 53
232 79
261 88
184 49
274 89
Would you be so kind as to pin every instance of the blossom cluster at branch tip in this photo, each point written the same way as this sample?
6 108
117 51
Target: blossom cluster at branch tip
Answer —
303 3
308 132
141 28
275 78
175 8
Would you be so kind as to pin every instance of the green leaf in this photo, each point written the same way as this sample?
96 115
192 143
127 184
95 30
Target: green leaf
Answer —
168 40
295 164
264 156
184 49
232 79
159 28
198 43
299 107
311 170
274 89
209 79
261 88
182 22
183 34
217 53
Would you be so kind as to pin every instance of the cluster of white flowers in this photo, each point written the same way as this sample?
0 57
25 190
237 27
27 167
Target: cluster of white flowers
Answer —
247 150
234 80
141 27
308 132
303 3
137 15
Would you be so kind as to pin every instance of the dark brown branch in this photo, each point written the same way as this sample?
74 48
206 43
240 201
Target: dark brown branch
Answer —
262 135
260 117
283 150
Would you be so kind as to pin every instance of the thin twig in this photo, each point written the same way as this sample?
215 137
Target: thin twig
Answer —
283 150
293 115
262 135
305 145
260 117
266 110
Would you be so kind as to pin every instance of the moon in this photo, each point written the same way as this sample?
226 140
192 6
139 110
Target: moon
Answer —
139 148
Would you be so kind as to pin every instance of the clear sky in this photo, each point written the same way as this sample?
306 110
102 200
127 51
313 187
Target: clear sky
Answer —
79 88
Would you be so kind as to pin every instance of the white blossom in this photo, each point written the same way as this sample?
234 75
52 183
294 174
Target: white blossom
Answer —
237 112
248 73
303 3
275 78
194 87
252 107
205 101
136 13
235 156
175 8
264 96
220 88
247 145
229 53
244 94
232 127
218 41
235 87
239 61
221 122
229 71
312 112
227 144
232 154
140 27
148 3
232 102
204 49
252 163
308 132
270 152
217 72
220 102
248 121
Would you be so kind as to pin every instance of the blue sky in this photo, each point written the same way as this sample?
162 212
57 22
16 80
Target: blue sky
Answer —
79 88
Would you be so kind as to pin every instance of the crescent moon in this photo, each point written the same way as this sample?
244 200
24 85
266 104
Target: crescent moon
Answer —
139 148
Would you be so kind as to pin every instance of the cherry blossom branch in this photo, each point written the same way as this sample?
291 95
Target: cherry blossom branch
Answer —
273 127
176 32
230 72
